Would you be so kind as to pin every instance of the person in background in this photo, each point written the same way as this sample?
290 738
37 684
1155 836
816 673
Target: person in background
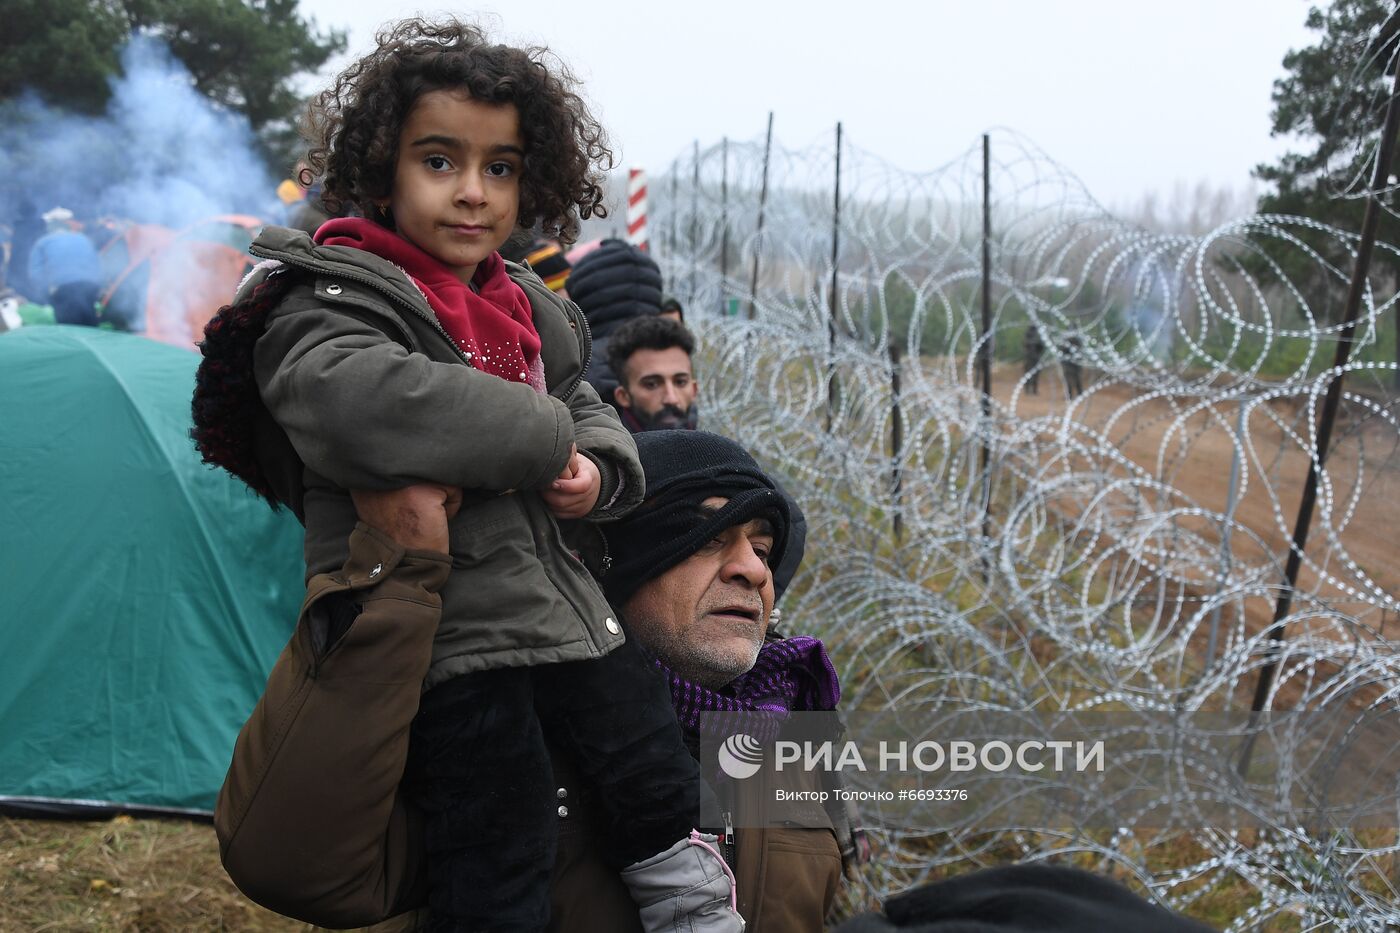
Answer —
1032 349
671 308
1072 348
9 301
657 390
611 285
651 357
289 198
547 258
308 214
26 230
65 271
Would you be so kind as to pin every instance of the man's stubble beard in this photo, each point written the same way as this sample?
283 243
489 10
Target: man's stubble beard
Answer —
700 662
667 418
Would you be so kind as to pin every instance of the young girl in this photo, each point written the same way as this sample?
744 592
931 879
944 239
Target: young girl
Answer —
397 351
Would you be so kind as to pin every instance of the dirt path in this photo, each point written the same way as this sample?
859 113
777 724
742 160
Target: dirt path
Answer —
1193 455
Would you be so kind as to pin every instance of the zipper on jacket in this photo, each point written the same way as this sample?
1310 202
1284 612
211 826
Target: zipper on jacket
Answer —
726 842
374 282
605 564
585 347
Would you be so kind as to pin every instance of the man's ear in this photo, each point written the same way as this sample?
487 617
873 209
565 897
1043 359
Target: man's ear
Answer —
622 397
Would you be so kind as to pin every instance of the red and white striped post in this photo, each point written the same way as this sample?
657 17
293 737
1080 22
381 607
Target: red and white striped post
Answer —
637 208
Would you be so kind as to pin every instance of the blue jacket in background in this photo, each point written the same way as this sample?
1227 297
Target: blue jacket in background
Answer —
61 258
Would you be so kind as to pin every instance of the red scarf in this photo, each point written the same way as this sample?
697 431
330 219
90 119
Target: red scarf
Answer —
493 324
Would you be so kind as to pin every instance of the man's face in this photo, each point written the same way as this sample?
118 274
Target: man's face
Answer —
659 387
705 618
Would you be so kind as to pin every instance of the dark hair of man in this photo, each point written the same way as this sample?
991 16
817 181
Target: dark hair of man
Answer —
647 332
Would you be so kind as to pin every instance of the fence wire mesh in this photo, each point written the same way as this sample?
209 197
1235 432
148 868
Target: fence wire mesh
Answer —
1108 529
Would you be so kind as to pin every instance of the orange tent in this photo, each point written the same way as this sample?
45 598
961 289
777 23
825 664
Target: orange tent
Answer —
172 285
129 246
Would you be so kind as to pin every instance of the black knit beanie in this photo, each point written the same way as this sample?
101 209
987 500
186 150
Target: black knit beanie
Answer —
683 469
614 283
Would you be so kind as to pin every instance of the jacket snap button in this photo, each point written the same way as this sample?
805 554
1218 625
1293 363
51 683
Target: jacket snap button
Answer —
611 626
561 793
332 289
563 812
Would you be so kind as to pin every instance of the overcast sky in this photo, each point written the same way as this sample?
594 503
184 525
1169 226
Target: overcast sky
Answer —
1132 96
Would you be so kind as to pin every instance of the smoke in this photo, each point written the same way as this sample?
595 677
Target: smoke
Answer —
1156 330
162 153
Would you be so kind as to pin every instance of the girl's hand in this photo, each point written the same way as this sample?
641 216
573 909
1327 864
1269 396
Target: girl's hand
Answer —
575 492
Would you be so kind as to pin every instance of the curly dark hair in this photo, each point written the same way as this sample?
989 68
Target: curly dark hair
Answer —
646 332
354 125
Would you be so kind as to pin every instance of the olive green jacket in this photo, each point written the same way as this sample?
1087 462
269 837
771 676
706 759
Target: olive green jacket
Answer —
365 390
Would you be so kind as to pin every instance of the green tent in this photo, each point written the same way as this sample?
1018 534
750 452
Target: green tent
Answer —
144 596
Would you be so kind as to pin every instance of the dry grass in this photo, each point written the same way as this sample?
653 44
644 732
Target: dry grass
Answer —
123 875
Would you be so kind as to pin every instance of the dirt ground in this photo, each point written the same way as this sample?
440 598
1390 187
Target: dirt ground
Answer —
1194 456
124 876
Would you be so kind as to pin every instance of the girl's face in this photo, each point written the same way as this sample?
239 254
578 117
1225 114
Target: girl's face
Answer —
457 180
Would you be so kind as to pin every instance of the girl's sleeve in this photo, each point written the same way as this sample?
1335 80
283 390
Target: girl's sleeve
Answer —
366 413
601 437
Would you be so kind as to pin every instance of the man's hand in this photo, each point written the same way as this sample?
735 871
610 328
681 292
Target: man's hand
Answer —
575 492
415 516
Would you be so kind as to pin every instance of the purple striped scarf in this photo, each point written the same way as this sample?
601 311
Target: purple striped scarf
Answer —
793 674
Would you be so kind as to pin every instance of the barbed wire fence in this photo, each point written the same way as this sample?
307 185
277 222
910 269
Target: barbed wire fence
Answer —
1110 526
